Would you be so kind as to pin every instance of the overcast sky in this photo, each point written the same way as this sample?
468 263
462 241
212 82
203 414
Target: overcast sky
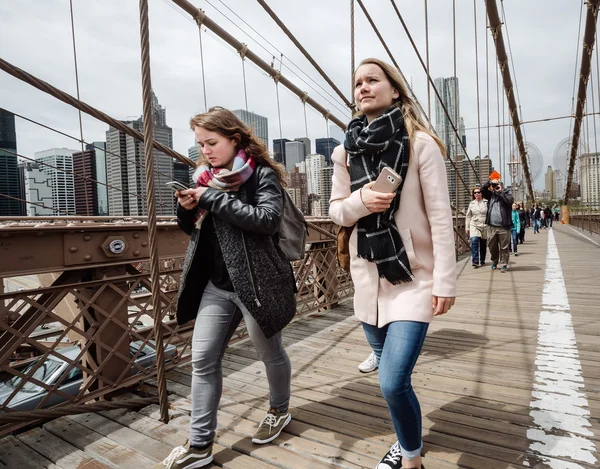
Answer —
36 36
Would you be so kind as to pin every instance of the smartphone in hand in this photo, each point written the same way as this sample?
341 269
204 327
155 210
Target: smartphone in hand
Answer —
176 186
387 181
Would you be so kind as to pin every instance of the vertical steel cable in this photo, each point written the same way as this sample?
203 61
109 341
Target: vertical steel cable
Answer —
503 136
487 85
245 89
477 77
427 59
499 127
202 65
85 179
151 201
595 137
457 125
305 119
352 54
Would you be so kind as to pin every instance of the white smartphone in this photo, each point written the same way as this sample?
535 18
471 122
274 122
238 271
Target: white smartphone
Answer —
176 186
387 181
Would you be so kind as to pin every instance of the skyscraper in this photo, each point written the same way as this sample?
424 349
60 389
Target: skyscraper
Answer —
325 183
306 142
314 164
259 124
482 170
91 196
294 153
37 189
299 185
181 172
126 171
99 149
590 180
279 150
10 181
116 169
59 168
193 154
325 147
449 91
86 190
549 182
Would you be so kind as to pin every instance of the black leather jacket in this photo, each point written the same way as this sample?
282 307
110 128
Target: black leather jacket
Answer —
246 224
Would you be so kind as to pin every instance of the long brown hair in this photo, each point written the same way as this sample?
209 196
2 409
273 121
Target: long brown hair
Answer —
413 117
226 123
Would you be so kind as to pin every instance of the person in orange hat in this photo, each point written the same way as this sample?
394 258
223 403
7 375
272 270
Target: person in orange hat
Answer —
498 221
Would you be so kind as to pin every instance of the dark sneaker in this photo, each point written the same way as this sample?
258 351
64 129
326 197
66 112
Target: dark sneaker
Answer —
494 266
393 458
476 266
482 263
503 269
189 458
271 426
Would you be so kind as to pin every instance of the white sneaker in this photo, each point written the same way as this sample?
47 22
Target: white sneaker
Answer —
370 364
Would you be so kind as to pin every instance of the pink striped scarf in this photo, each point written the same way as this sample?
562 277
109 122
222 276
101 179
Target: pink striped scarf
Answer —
223 179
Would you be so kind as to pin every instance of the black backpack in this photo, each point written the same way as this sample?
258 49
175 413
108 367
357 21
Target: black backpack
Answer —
292 230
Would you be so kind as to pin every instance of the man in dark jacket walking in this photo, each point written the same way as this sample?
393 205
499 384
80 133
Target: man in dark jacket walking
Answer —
499 221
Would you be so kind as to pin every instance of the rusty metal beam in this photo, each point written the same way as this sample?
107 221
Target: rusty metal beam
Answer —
589 39
200 17
89 110
496 29
34 250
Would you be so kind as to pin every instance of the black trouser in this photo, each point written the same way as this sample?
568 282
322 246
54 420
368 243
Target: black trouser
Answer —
522 235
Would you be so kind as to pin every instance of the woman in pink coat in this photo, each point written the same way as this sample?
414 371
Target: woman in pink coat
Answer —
402 246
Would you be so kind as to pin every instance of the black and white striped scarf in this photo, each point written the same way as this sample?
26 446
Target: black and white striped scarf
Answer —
382 142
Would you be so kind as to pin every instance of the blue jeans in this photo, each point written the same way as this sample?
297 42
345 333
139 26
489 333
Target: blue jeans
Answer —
219 314
397 347
536 225
515 239
478 248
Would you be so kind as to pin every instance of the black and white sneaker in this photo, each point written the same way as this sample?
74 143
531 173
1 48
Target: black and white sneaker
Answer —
393 458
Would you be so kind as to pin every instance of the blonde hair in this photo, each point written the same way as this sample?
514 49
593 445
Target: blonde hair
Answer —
226 123
413 118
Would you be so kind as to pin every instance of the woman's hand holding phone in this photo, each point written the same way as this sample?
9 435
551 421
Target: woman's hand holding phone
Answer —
188 198
376 202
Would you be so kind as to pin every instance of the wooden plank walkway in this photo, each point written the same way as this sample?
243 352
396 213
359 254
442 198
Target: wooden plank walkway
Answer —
476 381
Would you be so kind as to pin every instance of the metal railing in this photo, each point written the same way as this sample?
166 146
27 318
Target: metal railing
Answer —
83 333
586 221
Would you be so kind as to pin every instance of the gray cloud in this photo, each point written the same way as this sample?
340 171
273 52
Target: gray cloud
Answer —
36 36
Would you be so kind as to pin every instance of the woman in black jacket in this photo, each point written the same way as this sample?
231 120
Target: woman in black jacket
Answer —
234 268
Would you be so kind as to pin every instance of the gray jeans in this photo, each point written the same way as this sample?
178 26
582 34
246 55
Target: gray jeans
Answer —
219 315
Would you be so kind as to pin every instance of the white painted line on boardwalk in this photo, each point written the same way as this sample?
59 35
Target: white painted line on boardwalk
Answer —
586 237
559 406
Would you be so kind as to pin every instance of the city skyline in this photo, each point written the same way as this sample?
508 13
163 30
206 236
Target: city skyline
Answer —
177 74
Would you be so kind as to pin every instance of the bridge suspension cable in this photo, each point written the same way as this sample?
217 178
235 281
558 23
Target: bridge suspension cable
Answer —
496 29
90 110
438 96
288 59
202 19
87 202
79 176
306 54
477 77
151 200
52 129
586 55
427 59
